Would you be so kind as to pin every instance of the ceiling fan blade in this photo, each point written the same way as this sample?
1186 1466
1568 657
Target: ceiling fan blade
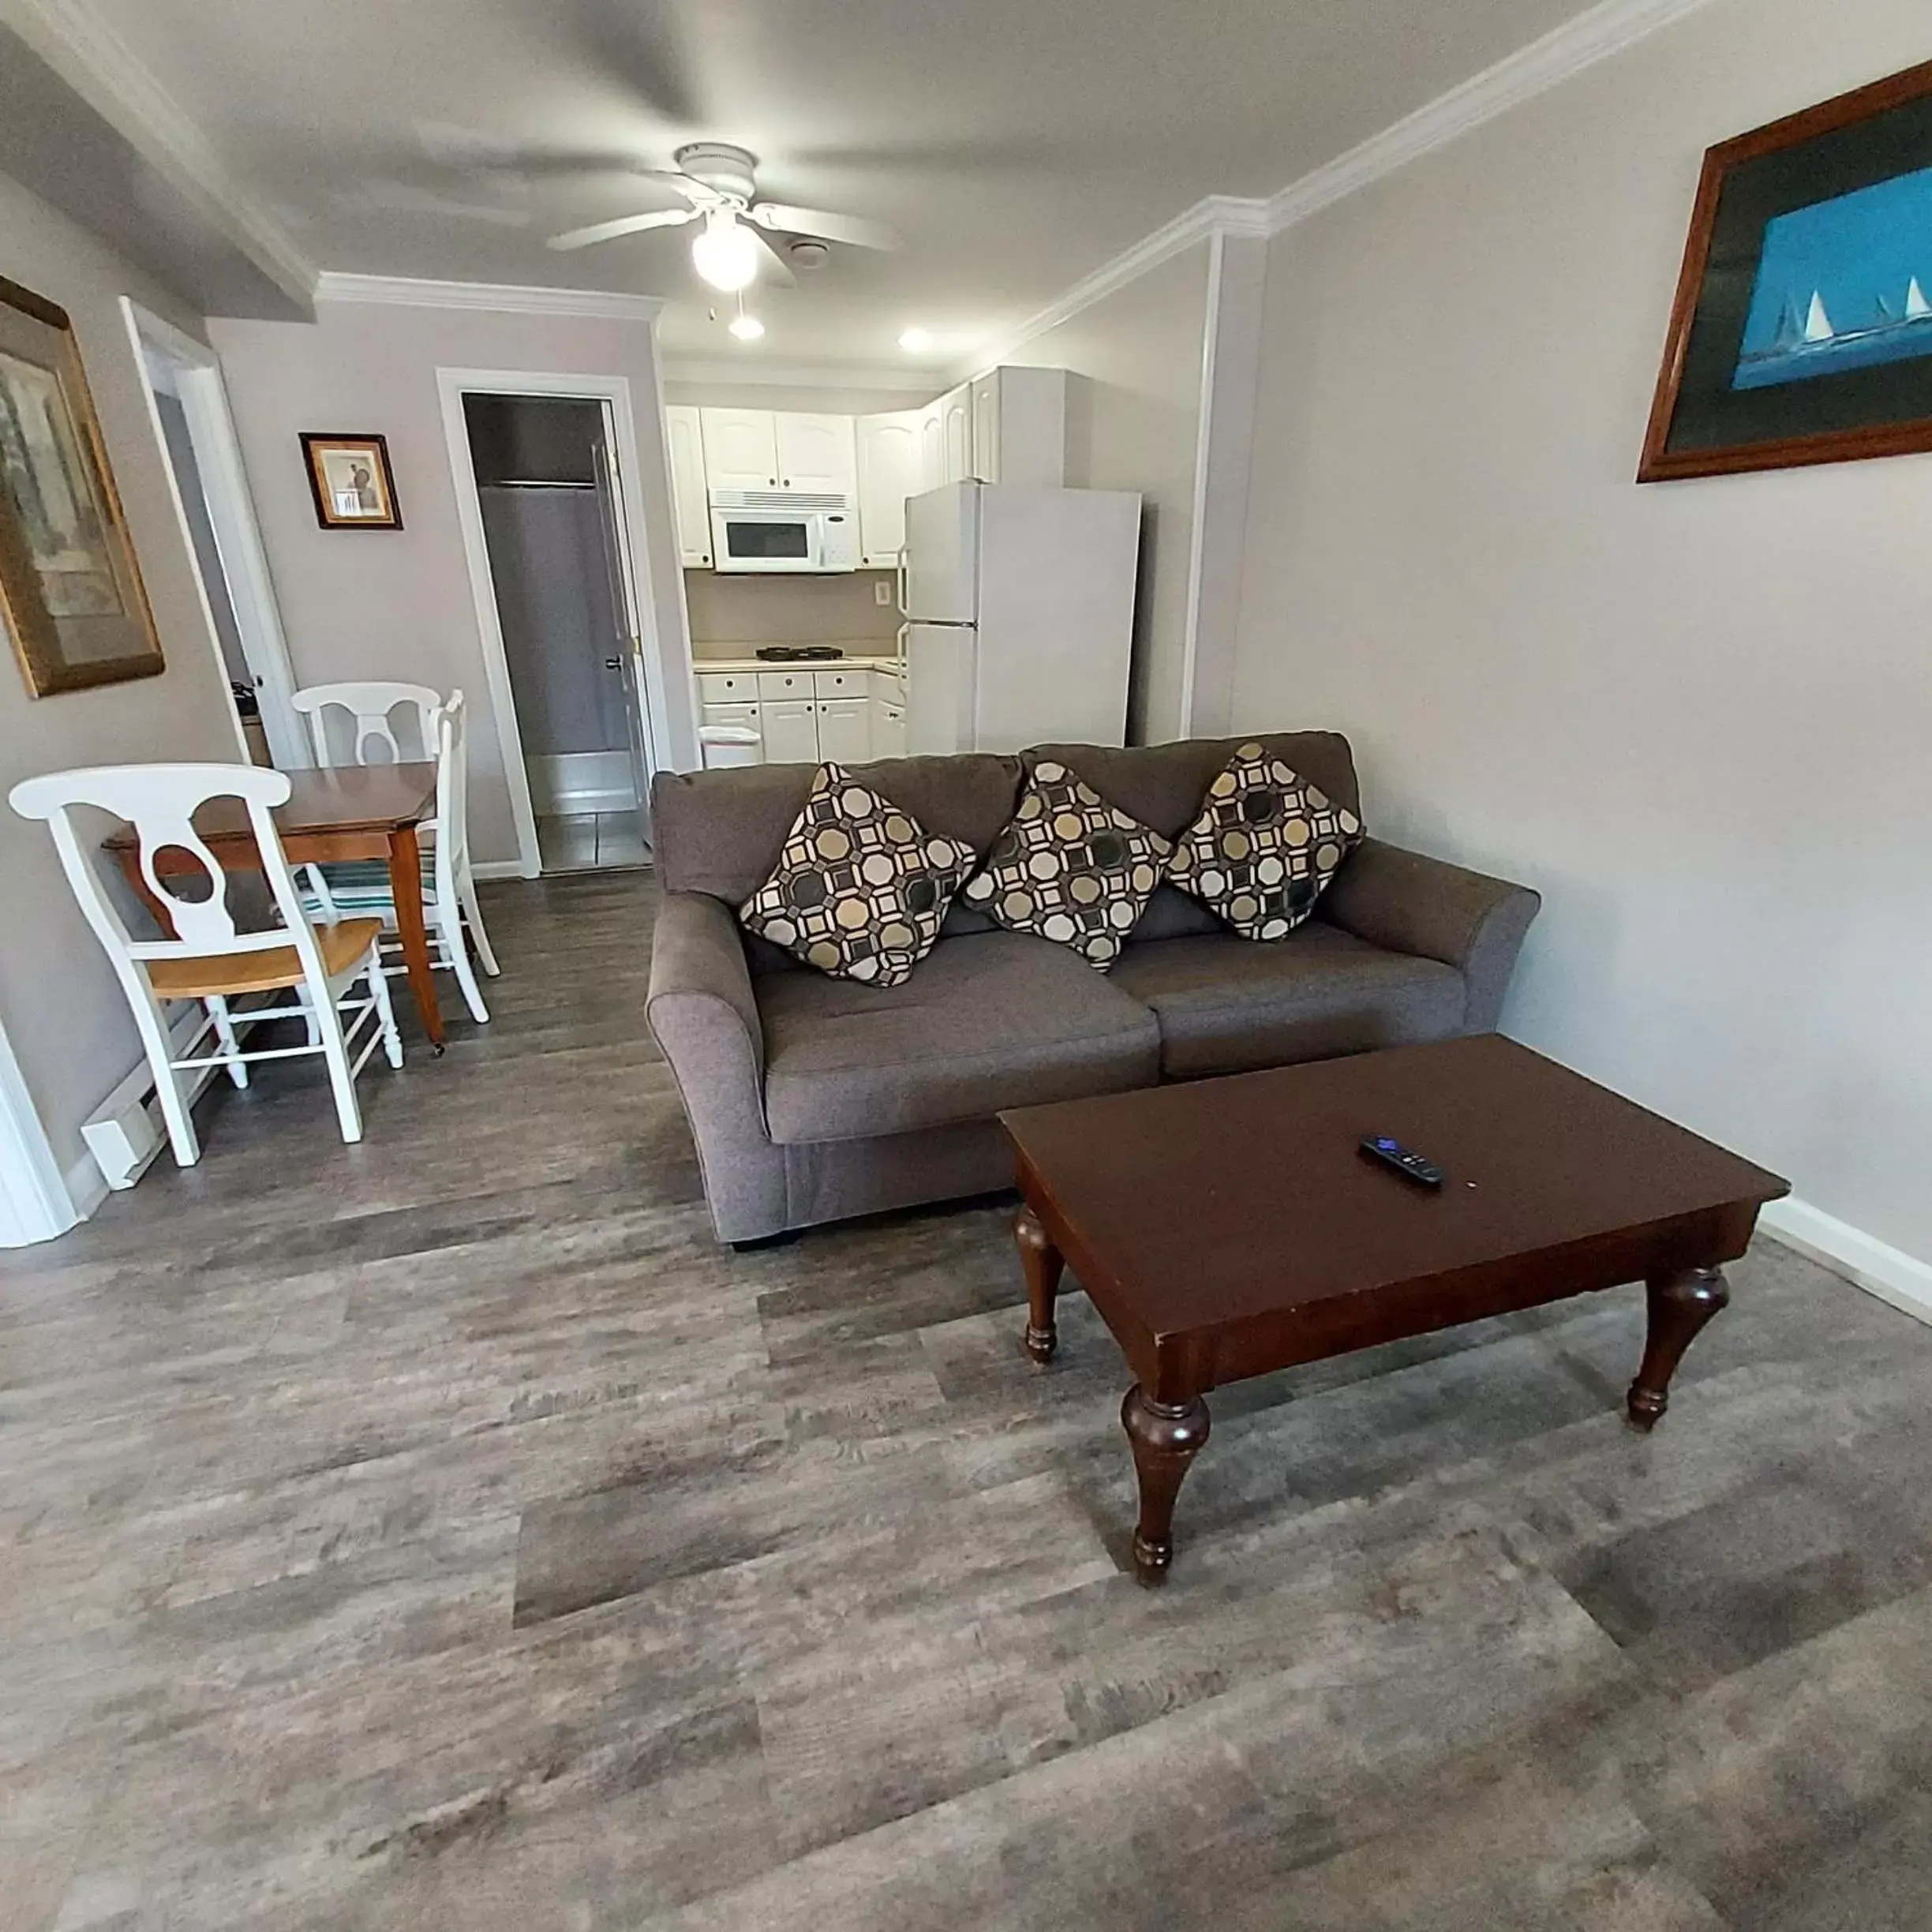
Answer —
829 227
641 46
624 225
774 269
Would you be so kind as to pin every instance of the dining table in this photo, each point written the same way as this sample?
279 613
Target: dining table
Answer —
356 811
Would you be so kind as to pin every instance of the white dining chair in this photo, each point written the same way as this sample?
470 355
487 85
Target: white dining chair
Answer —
361 714
210 958
449 887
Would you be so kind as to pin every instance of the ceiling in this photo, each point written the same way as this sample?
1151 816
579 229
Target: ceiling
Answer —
1015 144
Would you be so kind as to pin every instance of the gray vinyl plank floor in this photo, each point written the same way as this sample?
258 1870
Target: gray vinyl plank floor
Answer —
444 1532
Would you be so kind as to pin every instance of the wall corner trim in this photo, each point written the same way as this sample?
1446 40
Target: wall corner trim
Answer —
504 298
1888 1272
910 381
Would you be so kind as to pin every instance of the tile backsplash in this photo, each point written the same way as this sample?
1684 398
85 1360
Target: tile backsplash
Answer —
735 610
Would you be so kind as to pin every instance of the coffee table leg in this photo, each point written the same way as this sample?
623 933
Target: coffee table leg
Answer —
1165 1437
1679 1304
1043 1261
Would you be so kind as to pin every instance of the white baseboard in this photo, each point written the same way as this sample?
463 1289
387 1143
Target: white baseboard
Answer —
87 1186
499 868
1889 1273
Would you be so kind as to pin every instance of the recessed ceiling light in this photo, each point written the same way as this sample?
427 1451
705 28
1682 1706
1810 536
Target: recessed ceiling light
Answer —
916 340
746 327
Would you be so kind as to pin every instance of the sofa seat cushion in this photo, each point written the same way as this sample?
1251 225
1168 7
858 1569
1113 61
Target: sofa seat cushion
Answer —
989 1020
1227 1005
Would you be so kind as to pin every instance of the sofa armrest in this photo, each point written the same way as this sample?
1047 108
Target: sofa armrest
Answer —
703 1014
1407 903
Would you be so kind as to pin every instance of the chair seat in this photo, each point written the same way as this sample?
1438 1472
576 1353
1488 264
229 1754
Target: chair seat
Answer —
342 945
1228 1005
991 1021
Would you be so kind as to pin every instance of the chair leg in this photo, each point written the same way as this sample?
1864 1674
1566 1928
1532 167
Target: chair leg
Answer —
449 928
153 1030
335 1051
319 884
217 1005
486 954
385 1009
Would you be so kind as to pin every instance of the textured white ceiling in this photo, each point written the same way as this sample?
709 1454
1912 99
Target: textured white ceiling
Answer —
1015 145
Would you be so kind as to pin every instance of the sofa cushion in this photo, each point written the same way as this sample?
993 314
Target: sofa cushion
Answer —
861 886
718 832
1265 846
1070 867
994 1019
1162 786
1227 1006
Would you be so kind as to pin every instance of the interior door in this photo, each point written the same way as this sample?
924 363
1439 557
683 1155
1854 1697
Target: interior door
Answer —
625 656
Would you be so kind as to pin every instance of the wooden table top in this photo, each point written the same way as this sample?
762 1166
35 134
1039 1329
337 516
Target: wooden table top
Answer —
1211 1202
355 798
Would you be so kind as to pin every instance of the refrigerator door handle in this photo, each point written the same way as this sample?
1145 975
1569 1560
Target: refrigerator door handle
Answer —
900 592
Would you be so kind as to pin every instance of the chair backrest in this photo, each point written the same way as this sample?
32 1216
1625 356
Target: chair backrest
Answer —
452 824
160 801
370 707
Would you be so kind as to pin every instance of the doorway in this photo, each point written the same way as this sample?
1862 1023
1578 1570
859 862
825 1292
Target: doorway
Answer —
188 408
552 531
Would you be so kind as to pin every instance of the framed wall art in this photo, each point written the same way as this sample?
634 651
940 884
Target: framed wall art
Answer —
350 478
70 589
1802 327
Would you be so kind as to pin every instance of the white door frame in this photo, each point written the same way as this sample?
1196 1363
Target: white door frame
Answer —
231 511
452 385
35 1201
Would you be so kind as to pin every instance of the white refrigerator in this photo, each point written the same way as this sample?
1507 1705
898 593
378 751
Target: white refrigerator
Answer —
1019 605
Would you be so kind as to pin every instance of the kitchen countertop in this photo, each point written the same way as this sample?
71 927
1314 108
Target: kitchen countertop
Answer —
852 661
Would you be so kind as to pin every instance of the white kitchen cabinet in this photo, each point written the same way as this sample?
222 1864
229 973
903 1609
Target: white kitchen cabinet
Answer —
1018 426
845 730
956 450
985 426
728 687
889 734
890 471
740 448
932 445
684 440
839 684
816 453
784 684
790 728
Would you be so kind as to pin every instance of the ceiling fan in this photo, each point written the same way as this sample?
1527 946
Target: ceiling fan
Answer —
721 184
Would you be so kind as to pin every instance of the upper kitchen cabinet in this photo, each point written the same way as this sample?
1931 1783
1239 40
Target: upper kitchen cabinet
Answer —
890 471
816 453
932 445
740 448
1018 426
955 434
684 439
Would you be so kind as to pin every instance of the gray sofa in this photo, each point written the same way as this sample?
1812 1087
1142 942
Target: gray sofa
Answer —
814 1099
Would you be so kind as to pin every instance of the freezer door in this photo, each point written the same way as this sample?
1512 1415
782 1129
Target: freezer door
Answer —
942 555
940 675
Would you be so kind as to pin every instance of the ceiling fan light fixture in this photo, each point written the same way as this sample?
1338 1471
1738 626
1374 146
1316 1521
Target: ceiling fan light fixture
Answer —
724 253
916 341
746 327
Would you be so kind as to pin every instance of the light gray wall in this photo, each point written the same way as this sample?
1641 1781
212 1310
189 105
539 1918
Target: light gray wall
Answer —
1696 715
398 603
61 1005
1134 423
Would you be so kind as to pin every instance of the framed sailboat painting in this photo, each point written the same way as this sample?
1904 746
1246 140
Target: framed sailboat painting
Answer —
1802 327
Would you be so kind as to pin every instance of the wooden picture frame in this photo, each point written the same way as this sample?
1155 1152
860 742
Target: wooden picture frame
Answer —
1788 343
350 481
71 594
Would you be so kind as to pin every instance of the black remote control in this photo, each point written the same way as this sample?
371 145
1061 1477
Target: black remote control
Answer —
1410 1165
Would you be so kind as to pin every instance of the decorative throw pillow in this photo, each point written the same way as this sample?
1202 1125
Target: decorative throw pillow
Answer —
1070 867
860 889
1265 845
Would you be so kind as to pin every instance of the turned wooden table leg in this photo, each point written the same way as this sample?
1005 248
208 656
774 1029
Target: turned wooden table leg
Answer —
1043 1263
1165 1437
1679 1305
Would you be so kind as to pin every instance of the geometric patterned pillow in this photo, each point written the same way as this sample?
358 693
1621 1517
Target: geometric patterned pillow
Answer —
1070 867
1266 843
859 890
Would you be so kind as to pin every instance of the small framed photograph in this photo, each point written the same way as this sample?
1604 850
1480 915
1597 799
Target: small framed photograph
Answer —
1802 327
71 595
349 478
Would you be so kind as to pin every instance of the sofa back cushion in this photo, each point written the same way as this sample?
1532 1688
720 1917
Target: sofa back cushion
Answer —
1162 786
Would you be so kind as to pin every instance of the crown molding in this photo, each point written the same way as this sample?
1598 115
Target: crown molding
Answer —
1606 29
501 297
908 382
93 59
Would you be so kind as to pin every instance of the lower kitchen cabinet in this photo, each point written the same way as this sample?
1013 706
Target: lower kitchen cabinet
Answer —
868 720
790 727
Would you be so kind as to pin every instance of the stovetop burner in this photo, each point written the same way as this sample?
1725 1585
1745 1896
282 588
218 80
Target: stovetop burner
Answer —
797 654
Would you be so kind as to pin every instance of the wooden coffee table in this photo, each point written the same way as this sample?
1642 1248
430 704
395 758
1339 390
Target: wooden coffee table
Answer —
1227 1228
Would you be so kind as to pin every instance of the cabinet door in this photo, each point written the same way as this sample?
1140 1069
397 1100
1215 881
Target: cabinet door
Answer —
956 405
888 732
889 473
845 730
740 449
815 453
986 427
932 445
791 729
685 442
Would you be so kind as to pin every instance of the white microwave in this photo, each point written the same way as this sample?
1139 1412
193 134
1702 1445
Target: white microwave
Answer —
783 530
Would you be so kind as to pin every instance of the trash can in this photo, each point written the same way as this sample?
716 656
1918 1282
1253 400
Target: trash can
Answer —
727 745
